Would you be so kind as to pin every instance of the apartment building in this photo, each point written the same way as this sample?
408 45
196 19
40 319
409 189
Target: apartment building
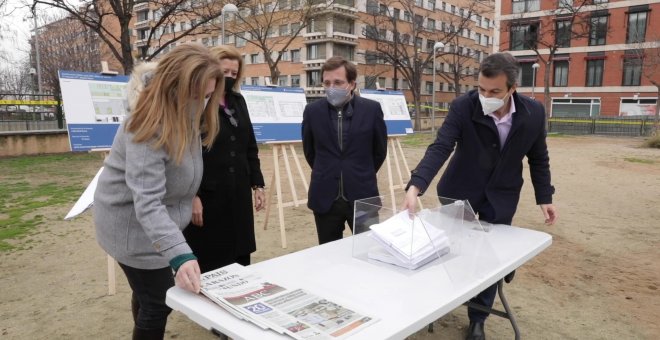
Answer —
343 27
595 55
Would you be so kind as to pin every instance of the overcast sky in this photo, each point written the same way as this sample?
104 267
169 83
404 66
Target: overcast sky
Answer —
16 29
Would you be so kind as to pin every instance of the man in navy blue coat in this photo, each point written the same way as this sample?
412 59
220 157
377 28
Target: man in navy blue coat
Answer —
490 131
345 143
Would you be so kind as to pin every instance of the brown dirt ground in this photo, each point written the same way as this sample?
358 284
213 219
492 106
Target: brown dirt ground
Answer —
598 280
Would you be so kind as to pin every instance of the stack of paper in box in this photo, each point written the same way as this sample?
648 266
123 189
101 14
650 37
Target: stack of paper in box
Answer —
406 242
293 312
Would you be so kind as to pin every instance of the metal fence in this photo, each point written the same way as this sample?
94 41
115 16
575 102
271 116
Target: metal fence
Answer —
614 126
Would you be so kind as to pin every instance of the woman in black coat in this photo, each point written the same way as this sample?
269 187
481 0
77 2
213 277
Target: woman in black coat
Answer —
222 228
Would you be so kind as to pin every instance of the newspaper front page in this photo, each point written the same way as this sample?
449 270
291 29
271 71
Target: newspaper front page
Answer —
294 312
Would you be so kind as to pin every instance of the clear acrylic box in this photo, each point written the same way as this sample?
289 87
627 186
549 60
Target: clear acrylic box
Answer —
385 233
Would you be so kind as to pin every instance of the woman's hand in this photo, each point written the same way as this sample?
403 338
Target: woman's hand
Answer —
259 199
188 276
197 210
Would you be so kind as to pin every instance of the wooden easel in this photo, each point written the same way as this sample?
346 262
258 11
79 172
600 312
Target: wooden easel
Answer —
276 182
394 149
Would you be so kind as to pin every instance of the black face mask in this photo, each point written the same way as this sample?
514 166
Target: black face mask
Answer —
229 84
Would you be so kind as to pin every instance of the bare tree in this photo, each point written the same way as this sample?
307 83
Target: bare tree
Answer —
571 20
110 19
16 80
645 59
76 49
272 26
398 41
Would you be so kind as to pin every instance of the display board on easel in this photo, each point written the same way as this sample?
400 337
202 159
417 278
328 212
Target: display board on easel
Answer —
94 106
395 110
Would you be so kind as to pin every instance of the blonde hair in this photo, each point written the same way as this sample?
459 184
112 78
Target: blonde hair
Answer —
231 53
162 114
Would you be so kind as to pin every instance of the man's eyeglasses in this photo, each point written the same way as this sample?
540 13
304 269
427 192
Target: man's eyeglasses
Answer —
230 115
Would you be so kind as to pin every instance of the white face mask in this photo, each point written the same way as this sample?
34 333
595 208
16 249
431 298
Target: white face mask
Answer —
337 96
491 104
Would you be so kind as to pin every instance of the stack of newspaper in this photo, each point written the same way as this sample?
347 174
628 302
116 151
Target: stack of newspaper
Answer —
407 242
294 312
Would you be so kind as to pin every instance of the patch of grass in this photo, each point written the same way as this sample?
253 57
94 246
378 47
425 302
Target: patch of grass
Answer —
653 142
37 182
418 139
638 160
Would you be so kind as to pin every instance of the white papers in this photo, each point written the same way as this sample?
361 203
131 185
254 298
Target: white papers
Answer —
409 243
85 200
294 312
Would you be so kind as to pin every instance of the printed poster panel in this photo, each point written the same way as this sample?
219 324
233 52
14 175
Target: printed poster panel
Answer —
276 112
634 109
94 106
395 110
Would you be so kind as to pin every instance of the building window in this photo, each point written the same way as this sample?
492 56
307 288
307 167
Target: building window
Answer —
295 56
240 40
430 24
282 80
523 37
382 9
295 81
142 16
526 74
370 82
595 72
632 68
284 30
254 58
561 73
406 16
282 4
314 78
316 51
575 107
295 27
254 81
598 28
429 87
637 17
381 82
563 33
346 51
524 6
343 25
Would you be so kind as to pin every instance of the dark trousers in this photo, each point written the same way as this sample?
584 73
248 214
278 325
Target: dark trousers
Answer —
330 226
209 263
149 289
486 297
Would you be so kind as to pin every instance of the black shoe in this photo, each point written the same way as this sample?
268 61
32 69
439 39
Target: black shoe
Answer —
476 331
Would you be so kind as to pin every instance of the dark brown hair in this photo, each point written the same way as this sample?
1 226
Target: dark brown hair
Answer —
501 63
337 62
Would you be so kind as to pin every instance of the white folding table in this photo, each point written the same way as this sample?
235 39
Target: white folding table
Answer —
404 301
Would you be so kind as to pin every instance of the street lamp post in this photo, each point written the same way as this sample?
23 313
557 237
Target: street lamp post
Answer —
228 8
436 47
535 67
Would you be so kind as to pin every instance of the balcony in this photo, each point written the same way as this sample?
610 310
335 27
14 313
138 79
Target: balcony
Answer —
344 8
142 24
140 5
318 37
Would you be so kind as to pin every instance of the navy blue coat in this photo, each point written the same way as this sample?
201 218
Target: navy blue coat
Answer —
479 171
364 151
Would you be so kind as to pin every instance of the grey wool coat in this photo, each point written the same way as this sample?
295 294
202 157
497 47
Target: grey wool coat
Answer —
143 200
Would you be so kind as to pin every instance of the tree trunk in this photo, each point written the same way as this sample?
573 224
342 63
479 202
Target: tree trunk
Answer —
656 122
126 54
547 101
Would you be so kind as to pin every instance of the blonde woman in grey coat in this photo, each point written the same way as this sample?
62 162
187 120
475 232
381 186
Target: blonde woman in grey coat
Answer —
144 195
